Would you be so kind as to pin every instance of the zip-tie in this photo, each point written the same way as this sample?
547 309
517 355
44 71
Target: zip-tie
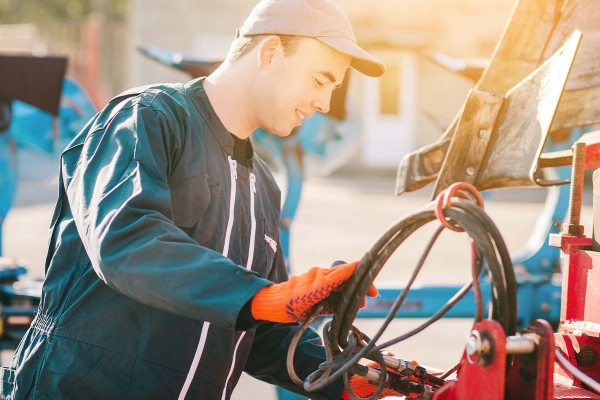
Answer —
458 189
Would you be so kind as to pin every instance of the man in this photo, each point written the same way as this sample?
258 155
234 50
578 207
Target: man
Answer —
164 277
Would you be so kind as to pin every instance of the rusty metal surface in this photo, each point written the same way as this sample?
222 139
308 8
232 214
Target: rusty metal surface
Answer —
581 101
578 108
521 46
565 157
583 351
497 141
517 53
511 158
419 168
534 31
471 139
572 225
470 69
583 16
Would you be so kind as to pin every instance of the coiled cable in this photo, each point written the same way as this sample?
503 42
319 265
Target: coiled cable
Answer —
344 343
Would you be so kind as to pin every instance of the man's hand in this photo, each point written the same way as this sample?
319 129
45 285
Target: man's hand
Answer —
293 300
362 388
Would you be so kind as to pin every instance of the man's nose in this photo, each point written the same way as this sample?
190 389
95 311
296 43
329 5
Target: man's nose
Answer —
321 103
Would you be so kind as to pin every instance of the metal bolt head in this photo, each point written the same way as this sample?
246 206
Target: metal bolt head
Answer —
558 225
477 348
484 133
437 156
486 346
572 229
473 348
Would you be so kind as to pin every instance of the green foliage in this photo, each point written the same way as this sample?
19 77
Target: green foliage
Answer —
44 12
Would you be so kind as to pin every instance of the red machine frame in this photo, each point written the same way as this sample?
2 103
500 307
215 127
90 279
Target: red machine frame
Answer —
495 367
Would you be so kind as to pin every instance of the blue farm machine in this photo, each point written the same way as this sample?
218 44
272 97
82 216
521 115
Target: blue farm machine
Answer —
520 126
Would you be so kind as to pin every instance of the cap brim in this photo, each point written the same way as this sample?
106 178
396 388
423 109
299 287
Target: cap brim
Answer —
361 60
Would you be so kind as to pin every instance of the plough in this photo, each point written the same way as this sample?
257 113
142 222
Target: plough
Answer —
531 91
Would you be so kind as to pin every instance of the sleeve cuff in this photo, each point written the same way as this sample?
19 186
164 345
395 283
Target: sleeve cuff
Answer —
245 320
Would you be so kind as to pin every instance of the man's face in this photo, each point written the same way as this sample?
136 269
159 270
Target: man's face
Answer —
294 86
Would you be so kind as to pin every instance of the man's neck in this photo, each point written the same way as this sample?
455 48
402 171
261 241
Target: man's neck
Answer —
228 95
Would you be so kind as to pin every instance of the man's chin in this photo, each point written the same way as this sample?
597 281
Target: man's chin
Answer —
282 132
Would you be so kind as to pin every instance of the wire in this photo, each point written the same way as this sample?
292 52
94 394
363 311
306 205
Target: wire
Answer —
476 266
316 380
450 370
577 373
435 317
400 299
345 344
374 260
294 343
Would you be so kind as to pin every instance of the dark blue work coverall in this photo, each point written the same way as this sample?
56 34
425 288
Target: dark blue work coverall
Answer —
158 242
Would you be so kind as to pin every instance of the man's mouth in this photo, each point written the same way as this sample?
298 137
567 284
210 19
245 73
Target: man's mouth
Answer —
301 116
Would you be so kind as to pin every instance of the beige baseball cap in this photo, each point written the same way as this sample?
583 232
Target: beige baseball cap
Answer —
319 19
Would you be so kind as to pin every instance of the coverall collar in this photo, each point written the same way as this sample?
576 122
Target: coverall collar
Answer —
196 90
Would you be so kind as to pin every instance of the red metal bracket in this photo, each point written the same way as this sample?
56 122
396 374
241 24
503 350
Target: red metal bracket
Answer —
485 379
530 375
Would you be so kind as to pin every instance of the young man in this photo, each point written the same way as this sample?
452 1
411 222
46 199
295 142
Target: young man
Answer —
164 277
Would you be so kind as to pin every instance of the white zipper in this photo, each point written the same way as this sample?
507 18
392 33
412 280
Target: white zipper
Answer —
234 176
195 362
224 395
252 221
198 355
248 266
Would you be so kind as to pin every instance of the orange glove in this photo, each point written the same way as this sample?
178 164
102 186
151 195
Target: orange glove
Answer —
293 300
362 388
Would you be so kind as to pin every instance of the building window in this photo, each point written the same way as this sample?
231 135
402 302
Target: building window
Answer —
389 91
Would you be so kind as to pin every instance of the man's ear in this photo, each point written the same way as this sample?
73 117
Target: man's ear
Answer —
267 51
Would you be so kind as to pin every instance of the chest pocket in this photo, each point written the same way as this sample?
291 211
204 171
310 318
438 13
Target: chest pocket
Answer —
265 248
195 202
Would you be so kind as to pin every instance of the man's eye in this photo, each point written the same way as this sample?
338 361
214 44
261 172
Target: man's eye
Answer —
318 82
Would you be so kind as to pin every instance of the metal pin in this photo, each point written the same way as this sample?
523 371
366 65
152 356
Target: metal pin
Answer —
519 345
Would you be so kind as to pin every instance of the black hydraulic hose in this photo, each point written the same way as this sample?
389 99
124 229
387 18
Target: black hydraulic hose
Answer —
294 343
369 267
357 287
488 247
321 378
341 359
435 317
483 242
476 265
498 240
